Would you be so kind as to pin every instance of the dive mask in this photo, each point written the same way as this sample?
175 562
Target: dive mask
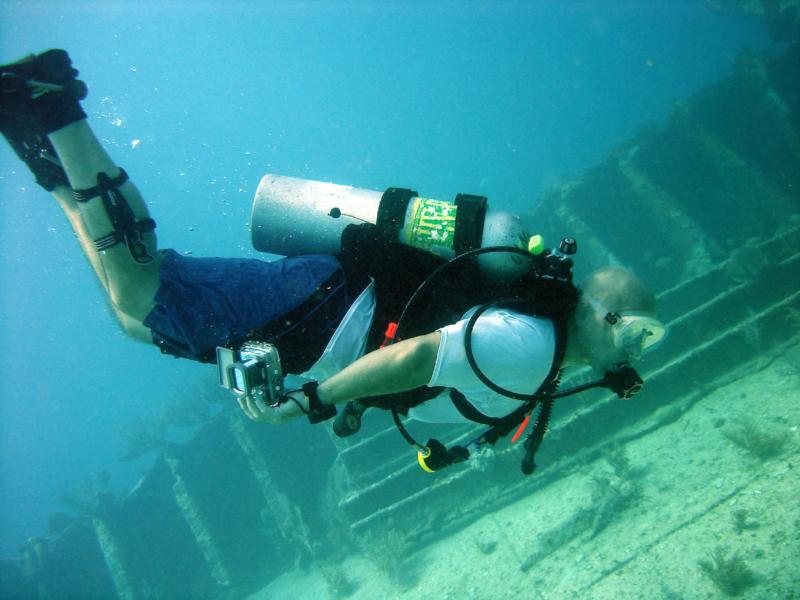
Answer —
634 333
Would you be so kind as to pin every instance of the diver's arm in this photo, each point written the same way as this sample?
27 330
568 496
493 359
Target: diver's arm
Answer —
397 368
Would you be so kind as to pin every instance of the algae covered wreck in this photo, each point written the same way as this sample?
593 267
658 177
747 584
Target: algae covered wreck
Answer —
706 206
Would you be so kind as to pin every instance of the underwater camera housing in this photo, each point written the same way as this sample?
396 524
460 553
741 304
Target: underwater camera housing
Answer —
254 370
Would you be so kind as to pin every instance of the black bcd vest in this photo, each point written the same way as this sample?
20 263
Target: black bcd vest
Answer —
398 271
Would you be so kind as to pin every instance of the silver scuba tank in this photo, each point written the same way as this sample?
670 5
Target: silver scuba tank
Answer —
299 216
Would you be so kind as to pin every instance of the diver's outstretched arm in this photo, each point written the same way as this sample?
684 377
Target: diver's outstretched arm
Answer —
43 121
397 368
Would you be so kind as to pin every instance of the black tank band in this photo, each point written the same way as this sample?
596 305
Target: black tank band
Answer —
392 209
469 222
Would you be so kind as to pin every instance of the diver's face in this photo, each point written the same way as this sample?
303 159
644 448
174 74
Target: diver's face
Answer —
611 339
598 344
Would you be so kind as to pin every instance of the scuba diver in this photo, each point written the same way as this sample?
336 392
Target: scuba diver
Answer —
442 312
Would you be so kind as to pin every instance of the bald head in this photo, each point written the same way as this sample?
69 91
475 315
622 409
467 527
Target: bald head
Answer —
618 290
614 290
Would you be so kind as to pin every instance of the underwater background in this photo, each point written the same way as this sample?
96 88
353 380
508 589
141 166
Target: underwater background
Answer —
198 100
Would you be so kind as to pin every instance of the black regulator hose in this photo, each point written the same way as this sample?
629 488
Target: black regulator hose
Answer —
437 272
535 439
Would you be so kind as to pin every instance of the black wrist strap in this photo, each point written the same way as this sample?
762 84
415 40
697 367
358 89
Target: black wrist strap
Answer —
317 411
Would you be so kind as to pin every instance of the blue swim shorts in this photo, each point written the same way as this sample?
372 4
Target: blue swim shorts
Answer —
203 303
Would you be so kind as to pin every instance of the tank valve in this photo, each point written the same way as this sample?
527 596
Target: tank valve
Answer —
568 246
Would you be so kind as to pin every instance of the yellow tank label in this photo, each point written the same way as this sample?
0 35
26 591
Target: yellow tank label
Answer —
432 224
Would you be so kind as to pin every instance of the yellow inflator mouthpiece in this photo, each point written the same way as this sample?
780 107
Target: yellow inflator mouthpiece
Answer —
421 456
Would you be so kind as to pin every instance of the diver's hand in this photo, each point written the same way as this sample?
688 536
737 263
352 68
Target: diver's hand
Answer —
260 412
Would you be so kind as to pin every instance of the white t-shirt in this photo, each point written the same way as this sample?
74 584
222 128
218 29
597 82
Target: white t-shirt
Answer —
513 350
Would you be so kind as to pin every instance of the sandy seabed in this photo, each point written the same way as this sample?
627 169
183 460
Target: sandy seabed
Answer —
699 494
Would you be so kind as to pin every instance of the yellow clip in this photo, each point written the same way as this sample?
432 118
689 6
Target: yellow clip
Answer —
536 244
